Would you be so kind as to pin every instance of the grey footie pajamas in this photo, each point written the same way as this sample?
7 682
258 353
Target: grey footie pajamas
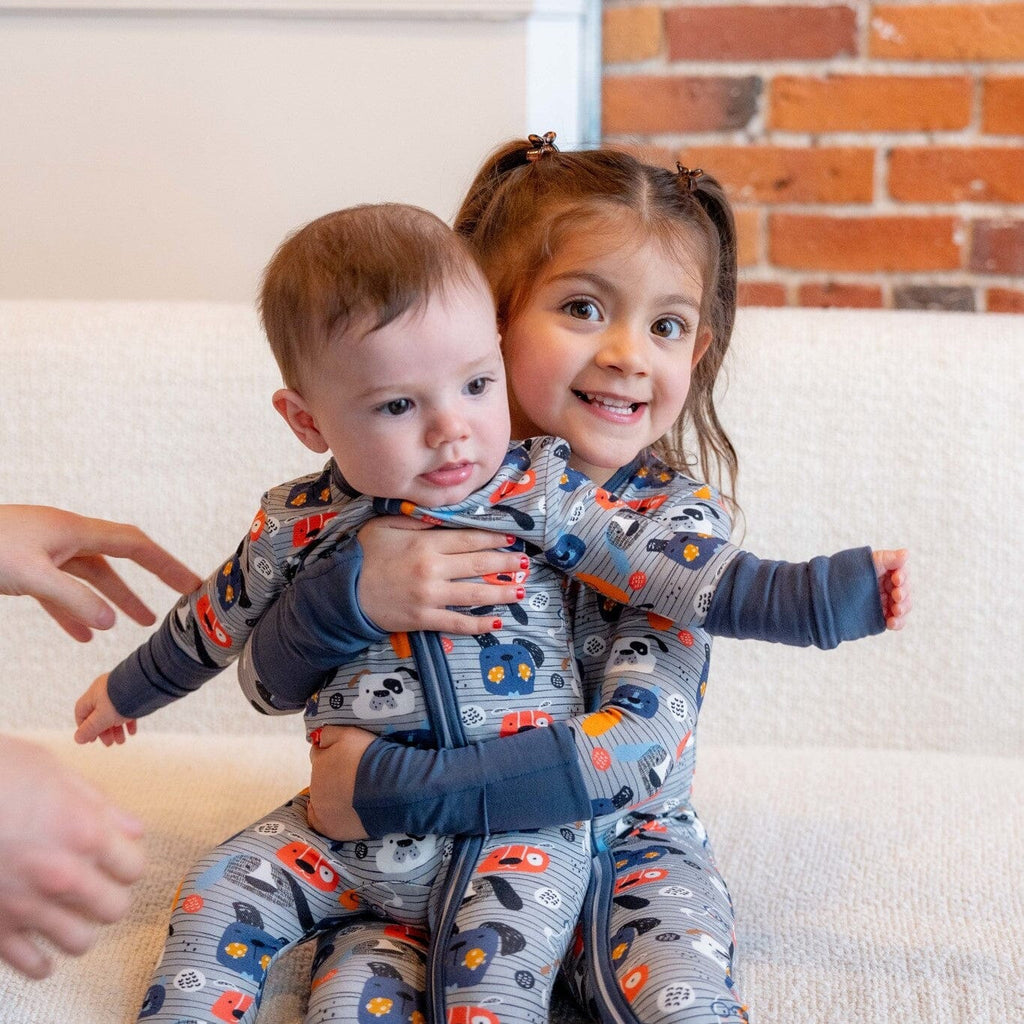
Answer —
578 850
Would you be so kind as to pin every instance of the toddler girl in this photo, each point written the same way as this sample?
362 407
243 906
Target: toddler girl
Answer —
615 286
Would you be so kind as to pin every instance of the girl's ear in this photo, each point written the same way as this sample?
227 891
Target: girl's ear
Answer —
701 345
296 413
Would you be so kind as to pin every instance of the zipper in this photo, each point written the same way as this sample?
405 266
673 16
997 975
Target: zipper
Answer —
465 856
438 690
611 1004
446 723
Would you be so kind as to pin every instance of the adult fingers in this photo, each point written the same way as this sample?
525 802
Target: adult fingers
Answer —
72 605
22 952
97 572
121 540
66 928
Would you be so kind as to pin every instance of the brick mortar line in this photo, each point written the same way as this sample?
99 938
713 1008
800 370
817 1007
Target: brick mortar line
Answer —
920 210
857 6
741 137
858 66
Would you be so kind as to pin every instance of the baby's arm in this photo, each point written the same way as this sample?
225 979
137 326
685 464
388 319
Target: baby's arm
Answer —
206 630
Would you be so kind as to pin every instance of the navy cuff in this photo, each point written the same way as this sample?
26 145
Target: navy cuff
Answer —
155 675
823 602
529 780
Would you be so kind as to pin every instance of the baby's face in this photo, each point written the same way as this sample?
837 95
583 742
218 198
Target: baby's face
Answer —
417 410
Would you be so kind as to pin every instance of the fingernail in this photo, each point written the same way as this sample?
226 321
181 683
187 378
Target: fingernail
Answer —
524 562
520 593
509 539
496 624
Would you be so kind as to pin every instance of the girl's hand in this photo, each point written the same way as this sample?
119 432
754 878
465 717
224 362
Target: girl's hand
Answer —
332 785
412 574
893 586
97 718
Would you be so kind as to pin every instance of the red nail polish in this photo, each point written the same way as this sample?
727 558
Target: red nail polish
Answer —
520 593
524 562
496 624
509 539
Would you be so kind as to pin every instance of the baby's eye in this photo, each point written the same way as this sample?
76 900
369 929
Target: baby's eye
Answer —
478 385
582 309
397 406
668 327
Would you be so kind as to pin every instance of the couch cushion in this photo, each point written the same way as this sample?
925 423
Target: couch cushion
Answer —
870 885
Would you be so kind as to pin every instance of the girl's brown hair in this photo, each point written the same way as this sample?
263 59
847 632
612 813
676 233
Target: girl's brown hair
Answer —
521 206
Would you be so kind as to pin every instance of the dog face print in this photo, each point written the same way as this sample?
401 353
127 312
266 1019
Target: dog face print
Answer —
385 694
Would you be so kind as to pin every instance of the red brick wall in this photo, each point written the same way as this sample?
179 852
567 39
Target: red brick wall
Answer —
874 151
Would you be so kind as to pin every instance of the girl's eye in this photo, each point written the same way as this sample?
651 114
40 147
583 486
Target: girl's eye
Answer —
669 328
397 406
582 309
477 386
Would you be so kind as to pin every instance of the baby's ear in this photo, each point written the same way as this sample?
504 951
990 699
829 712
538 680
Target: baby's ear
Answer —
296 413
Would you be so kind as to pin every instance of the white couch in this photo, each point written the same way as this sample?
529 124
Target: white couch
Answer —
865 804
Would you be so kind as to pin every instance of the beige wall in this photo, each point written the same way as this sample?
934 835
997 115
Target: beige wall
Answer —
162 150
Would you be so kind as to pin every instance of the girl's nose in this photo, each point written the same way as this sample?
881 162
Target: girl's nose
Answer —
623 349
446 427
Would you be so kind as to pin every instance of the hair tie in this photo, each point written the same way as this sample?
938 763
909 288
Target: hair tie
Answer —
689 177
541 144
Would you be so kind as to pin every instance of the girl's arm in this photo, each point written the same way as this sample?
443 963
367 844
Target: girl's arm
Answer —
598 762
396 575
673 561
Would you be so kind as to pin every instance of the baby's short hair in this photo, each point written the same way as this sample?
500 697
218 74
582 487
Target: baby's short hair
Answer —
366 264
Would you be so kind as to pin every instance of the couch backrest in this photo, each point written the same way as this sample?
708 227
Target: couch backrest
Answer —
852 427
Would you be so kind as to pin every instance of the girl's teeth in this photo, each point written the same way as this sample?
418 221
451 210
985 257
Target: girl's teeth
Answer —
611 403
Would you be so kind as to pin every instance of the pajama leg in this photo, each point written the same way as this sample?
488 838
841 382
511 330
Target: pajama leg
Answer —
241 904
657 938
369 973
504 934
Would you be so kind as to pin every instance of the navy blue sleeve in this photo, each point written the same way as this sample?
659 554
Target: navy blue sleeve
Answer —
534 778
155 675
818 603
486 787
314 626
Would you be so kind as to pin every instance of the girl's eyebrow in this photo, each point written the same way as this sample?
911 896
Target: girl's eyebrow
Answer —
602 283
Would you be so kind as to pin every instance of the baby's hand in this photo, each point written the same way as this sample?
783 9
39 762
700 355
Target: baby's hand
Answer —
97 718
893 586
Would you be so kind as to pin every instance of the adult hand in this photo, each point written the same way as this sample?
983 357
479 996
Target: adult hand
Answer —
43 550
335 758
413 573
69 857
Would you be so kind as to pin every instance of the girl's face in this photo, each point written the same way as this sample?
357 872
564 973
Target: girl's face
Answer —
602 351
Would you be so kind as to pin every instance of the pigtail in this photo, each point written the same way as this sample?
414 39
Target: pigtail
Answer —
488 180
698 442
713 443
